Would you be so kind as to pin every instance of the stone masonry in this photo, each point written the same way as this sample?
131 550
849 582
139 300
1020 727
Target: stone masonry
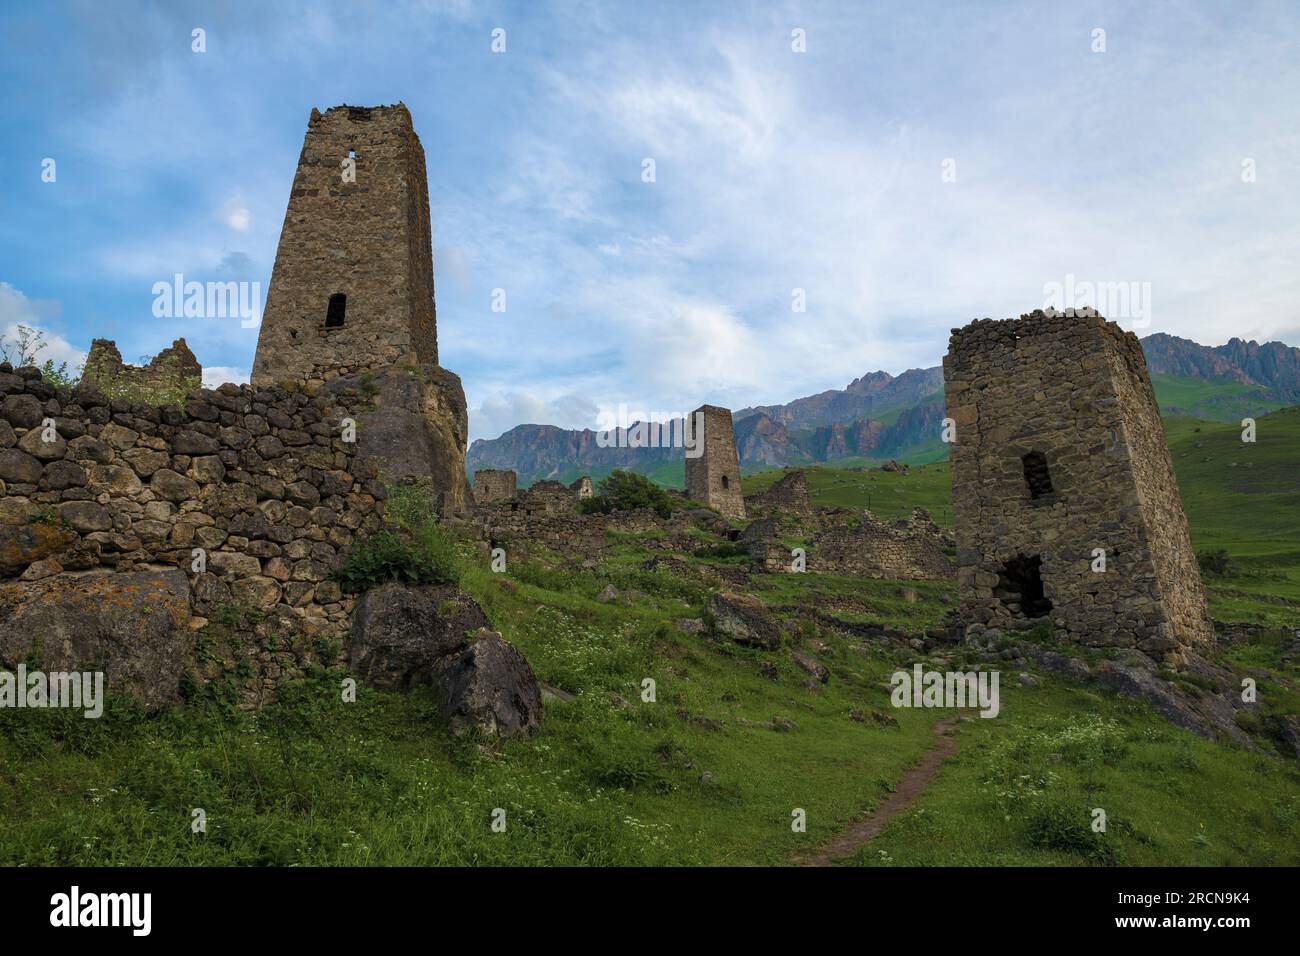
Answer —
713 477
1059 457
352 286
909 550
491 484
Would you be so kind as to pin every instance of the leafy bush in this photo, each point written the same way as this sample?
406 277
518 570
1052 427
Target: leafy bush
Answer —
1066 827
627 491
1213 561
425 557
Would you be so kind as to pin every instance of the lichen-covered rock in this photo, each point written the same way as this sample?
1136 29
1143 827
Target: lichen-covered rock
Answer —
744 620
134 627
24 544
489 687
401 633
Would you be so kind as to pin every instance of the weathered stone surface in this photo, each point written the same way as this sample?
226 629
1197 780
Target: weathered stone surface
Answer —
19 467
489 688
170 486
21 411
34 444
813 666
418 429
787 496
400 633
22 544
86 516
133 627
744 620
493 484
907 550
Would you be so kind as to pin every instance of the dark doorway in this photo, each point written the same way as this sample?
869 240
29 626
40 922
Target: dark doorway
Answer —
1037 477
337 309
1020 586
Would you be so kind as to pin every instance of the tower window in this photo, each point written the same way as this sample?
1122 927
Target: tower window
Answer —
725 483
352 154
1037 477
337 308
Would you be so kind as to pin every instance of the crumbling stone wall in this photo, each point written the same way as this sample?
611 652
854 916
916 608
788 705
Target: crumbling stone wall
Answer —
713 477
491 484
788 495
906 550
171 373
582 487
1059 452
260 479
367 240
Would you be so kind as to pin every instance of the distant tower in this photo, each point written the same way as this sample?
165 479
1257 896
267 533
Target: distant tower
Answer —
1059 462
352 287
493 484
714 476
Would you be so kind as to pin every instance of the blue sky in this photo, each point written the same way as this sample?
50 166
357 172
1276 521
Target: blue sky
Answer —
775 171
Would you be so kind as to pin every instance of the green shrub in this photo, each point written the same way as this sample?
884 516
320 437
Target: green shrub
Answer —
627 491
1066 827
424 557
1213 561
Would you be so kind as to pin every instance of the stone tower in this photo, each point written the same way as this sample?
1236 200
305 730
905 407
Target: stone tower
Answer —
1059 460
713 477
352 287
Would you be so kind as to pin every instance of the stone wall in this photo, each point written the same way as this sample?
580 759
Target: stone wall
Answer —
713 478
905 550
368 240
260 479
788 495
172 372
1059 455
491 484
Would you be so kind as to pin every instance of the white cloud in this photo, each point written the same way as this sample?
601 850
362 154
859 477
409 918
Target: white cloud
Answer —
506 409
237 217
16 311
215 375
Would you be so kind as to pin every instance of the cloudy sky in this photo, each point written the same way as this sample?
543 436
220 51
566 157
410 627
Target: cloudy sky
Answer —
916 166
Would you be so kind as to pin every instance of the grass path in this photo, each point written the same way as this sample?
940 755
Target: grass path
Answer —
904 795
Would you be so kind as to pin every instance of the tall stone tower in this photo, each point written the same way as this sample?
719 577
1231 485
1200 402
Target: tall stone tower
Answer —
1059 463
352 287
714 476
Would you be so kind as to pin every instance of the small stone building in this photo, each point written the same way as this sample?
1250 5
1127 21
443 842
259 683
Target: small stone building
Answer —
713 477
906 550
1060 460
492 484
582 487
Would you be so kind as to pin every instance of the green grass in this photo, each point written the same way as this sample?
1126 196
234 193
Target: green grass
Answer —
696 777
1220 401
1022 788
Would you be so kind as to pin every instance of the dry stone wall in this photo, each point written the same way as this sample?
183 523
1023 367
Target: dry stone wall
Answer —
908 549
491 484
260 480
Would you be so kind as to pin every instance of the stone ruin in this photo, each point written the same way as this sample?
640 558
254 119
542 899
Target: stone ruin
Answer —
911 549
582 487
1060 459
172 372
713 477
491 484
788 494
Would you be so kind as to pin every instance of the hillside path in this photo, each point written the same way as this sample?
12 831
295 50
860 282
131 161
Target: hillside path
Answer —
909 788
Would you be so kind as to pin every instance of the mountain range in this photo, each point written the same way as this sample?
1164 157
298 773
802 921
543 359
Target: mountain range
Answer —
881 416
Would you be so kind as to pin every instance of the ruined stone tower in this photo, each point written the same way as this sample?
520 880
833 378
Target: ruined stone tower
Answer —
493 484
714 476
352 287
1059 459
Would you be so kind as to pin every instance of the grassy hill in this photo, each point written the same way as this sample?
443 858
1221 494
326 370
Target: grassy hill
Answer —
1220 401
